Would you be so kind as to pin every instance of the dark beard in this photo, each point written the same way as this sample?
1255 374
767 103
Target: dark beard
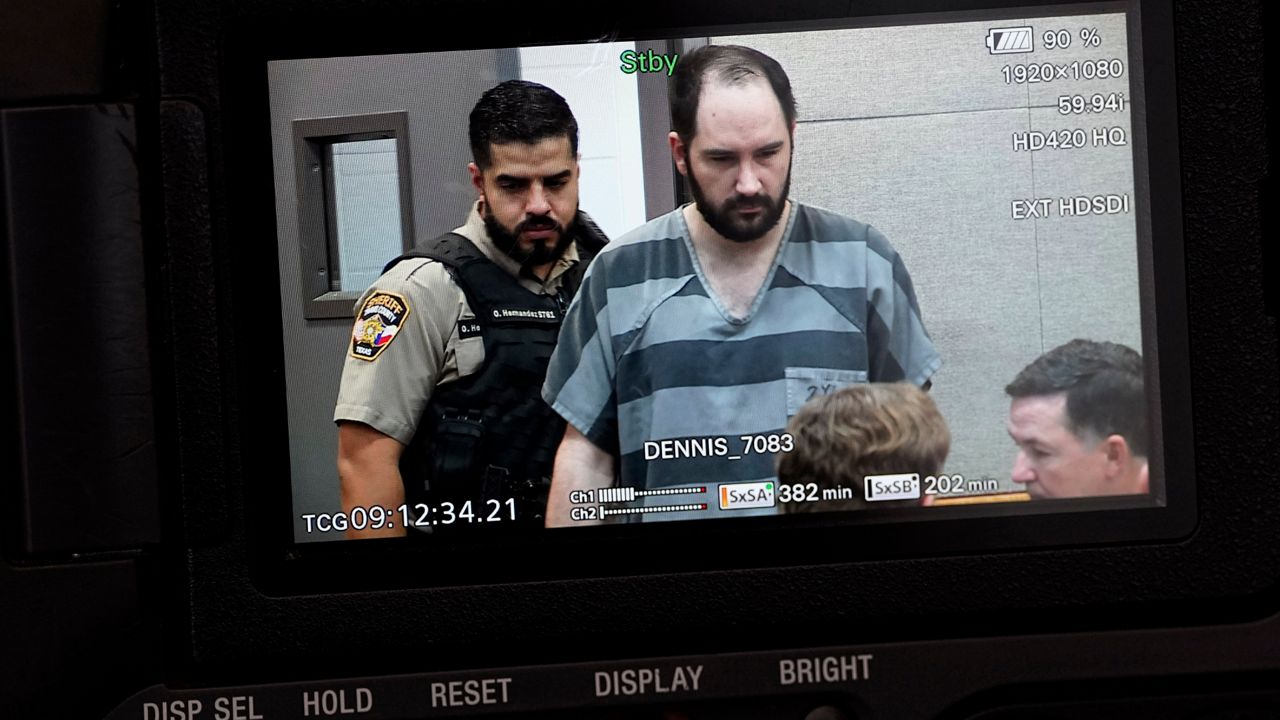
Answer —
723 221
539 254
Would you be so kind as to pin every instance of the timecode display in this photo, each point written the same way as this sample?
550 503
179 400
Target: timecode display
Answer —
419 515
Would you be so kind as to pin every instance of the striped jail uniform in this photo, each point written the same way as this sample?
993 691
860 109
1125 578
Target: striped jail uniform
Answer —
650 367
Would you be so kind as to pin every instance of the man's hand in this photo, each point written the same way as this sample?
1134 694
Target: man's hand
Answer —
580 465
369 469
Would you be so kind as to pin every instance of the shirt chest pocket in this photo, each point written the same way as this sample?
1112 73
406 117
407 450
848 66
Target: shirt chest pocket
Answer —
807 383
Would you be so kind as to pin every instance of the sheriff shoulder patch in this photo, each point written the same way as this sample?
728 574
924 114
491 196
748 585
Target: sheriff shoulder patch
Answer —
377 324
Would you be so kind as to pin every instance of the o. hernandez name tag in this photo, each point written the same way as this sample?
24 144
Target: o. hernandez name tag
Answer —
527 315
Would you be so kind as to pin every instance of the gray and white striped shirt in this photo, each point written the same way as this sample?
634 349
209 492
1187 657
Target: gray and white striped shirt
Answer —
648 355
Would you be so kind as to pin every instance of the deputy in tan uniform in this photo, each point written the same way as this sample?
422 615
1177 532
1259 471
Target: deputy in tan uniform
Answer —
439 417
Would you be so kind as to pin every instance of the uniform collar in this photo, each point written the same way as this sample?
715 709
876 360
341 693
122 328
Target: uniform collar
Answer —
475 231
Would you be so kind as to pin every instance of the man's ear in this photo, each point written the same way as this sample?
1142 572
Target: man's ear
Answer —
477 178
678 152
1118 456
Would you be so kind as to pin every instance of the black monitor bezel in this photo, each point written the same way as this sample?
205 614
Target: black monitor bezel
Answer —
284 567
203 138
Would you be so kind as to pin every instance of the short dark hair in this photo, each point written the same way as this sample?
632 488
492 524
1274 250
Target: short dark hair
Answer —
519 111
1103 384
729 65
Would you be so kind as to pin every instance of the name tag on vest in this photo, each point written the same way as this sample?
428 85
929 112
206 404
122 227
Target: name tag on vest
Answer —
517 314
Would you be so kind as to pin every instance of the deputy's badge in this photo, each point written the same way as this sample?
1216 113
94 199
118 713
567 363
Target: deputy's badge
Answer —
377 324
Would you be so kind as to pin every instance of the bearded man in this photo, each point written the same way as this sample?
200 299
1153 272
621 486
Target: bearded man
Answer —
698 335
441 413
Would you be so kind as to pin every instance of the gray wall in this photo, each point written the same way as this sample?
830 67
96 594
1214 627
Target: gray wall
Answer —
909 129
437 98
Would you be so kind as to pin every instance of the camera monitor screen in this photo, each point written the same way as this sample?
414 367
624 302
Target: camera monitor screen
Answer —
869 272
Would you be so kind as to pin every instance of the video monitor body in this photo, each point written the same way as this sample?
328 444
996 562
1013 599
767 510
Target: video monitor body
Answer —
918 121
1035 168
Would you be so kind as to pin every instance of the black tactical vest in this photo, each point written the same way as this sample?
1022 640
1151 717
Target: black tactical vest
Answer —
489 438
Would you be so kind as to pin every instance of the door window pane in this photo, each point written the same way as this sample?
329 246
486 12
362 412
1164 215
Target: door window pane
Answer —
364 209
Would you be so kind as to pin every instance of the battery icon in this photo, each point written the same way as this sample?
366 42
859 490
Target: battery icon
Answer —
1002 41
